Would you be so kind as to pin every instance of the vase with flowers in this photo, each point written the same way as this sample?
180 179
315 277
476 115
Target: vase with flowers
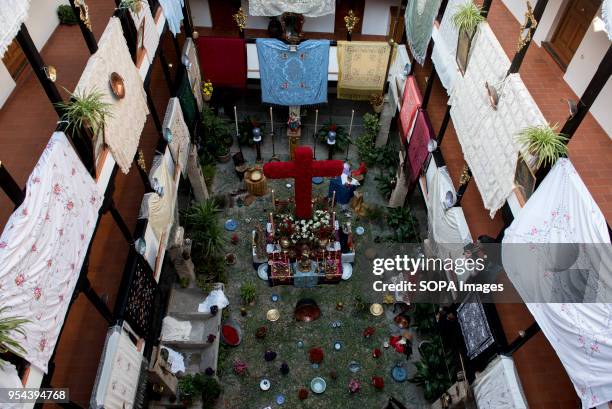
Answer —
207 90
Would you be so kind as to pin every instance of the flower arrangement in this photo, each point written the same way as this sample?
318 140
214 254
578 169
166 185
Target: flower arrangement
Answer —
293 123
376 353
303 394
368 332
316 355
207 88
378 382
317 228
240 367
354 386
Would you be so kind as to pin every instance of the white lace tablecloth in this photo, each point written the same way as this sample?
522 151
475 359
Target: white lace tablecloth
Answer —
309 8
123 128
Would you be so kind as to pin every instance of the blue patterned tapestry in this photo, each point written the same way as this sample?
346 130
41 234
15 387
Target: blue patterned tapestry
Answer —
293 77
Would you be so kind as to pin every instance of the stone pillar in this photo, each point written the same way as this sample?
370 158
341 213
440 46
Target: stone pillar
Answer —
179 251
196 178
386 116
398 196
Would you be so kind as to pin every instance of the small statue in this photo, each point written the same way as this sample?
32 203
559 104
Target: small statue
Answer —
180 255
305 263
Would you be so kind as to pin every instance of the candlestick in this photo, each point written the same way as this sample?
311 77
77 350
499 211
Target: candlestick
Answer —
271 121
351 125
314 135
333 199
236 119
273 200
334 220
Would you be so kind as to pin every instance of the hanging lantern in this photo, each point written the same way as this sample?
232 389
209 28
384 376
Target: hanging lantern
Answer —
331 137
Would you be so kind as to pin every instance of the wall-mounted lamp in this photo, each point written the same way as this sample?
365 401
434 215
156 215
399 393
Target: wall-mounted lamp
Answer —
573 107
432 145
50 72
406 71
185 60
167 132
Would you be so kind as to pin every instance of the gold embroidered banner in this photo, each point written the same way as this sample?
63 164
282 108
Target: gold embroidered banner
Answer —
362 66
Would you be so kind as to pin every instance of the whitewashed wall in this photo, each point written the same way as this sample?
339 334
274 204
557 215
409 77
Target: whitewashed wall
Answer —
200 13
377 16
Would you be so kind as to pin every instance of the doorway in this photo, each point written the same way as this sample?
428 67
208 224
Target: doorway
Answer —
571 29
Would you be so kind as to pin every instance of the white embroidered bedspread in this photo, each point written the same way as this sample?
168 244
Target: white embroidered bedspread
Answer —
488 136
44 244
309 8
121 130
193 71
179 145
150 39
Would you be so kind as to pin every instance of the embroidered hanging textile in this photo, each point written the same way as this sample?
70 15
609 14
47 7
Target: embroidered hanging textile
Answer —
189 105
193 71
499 387
309 8
214 52
562 210
141 299
419 18
173 10
417 146
175 124
444 51
44 244
362 66
148 36
13 13
411 102
123 128
119 372
293 78
474 326
606 13
159 209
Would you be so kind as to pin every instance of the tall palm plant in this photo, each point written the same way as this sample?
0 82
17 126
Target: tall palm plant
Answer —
204 227
8 326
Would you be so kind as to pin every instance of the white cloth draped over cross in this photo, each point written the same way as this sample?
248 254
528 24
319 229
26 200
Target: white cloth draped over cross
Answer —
13 13
487 135
123 128
179 144
309 8
44 244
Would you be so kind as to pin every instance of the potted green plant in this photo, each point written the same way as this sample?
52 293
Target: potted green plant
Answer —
435 371
216 138
190 386
385 182
466 19
211 390
66 15
544 143
85 110
248 293
204 228
8 326
132 5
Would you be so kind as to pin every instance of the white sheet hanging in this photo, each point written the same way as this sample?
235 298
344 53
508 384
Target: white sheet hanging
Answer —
150 37
309 8
173 10
444 52
159 209
193 71
448 230
44 244
119 372
179 145
498 386
606 13
488 136
562 210
13 13
122 130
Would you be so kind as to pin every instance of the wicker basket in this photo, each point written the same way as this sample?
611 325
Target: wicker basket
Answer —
256 182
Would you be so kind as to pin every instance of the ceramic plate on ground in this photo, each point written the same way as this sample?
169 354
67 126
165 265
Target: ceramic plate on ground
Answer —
264 385
376 309
288 185
347 271
399 374
273 315
262 271
359 230
318 385
354 367
317 180
280 399
231 225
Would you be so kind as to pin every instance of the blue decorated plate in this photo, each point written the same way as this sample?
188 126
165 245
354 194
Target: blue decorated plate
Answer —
317 180
359 230
399 374
231 225
280 399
